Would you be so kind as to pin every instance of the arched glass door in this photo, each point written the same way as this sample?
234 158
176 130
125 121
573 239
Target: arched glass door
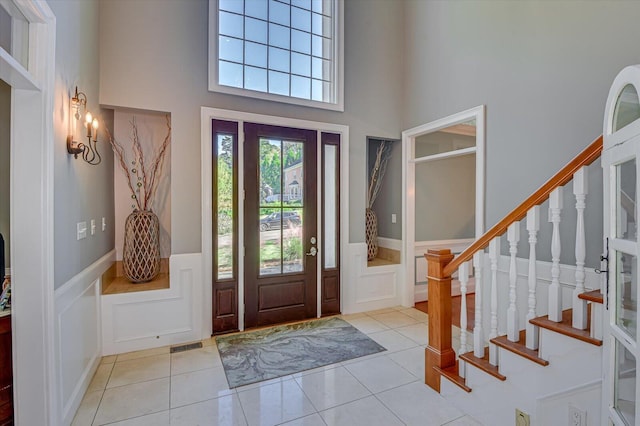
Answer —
620 171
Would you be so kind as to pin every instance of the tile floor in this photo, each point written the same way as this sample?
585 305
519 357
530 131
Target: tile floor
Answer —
156 388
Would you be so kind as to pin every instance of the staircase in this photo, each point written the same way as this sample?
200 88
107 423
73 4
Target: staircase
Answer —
549 367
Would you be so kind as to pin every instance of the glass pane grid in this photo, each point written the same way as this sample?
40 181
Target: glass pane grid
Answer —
281 207
625 384
626 196
289 47
626 293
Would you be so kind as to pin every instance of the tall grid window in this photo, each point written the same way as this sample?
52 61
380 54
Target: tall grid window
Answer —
286 48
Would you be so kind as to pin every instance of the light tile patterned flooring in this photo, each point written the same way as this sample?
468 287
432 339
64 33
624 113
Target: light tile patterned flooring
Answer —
156 388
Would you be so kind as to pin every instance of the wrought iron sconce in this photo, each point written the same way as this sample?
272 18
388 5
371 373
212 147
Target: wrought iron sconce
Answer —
89 150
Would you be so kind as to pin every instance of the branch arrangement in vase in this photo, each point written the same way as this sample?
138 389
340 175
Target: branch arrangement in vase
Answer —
383 154
142 178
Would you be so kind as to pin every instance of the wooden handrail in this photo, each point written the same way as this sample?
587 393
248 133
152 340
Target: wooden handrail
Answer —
586 157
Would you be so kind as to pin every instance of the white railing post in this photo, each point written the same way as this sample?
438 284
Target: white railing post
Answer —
494 254
533 225
580 190
513 326
463 276
478 331
555 291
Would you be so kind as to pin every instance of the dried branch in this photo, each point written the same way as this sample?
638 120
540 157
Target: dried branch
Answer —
142 182
383 154
118 150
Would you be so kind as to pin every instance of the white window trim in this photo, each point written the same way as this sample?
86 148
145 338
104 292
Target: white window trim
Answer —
338 64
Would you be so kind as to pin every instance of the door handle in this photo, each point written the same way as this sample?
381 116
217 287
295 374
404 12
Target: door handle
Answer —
312 252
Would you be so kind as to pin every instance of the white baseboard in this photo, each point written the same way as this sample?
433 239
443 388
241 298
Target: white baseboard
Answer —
77 336
149 319
390 243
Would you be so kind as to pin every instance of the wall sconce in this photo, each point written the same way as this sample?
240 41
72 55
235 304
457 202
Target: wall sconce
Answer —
89 150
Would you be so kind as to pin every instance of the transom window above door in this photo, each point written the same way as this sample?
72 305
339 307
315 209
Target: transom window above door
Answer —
283 50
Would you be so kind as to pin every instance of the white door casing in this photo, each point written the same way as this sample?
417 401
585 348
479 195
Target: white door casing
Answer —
209 114
32 145
409 161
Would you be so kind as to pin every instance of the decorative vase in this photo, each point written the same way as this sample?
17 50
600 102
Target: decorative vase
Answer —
141 253
371 232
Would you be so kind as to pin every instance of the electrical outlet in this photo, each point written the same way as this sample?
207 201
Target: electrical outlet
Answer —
81 230
577 417
93 226
522 418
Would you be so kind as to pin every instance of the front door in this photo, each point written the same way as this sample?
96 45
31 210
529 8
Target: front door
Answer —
280 224
621 171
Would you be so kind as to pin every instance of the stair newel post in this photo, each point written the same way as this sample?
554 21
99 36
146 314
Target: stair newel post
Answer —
580 190
478 331
555 291
463 276
533 226
494 254
513 323
439 352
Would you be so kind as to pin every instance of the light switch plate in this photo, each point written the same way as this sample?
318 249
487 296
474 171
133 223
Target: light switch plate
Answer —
93 226
81 230
104 224
394 219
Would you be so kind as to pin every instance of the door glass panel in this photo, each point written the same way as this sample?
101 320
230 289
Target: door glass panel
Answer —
225 213
625 384
270 242
626 298
292 253
293 172
270 172
330 206
627 108
281 206
626 200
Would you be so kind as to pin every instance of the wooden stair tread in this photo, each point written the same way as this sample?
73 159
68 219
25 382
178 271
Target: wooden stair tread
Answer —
592 296
564 327
452 373
483 364
519 348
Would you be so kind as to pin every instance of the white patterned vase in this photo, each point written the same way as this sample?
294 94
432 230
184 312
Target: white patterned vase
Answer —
141 252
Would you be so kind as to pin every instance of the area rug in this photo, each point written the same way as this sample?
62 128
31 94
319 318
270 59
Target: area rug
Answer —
279 351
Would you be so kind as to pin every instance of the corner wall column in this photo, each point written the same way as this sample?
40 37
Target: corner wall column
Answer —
439 352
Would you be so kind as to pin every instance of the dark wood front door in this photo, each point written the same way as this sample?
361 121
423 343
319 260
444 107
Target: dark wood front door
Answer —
280 224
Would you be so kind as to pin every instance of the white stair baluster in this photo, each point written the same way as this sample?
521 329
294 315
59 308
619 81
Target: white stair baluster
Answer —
533 225
555 291
478 331
463 276
513 326
580 190
494 254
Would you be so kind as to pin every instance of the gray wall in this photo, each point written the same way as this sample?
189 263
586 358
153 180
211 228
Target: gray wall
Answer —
153 55
81 192
5 175
445 193
389 199
543 69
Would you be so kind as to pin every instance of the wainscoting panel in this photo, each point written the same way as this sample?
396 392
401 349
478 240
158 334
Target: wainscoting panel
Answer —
369 288
148 319
77 336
